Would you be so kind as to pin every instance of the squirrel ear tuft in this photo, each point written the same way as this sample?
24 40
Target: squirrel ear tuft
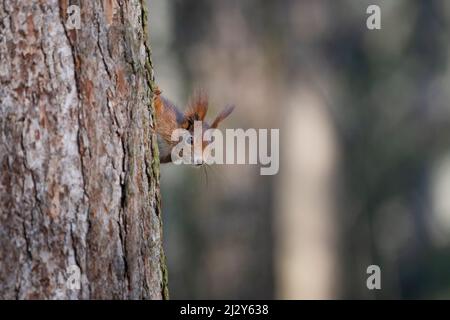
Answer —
198 106
225 113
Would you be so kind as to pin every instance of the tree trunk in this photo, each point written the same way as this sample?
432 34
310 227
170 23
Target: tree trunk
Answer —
79 179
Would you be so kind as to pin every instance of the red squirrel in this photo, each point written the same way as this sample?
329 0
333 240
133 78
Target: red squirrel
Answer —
169 118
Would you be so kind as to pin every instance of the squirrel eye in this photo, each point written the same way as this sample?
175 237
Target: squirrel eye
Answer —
190 140
189 123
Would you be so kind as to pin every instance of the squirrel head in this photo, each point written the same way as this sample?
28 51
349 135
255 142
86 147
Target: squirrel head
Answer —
169 118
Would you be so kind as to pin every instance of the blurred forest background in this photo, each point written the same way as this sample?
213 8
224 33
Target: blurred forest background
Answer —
364 119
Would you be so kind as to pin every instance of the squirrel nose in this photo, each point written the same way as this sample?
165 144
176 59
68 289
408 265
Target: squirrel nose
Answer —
199 163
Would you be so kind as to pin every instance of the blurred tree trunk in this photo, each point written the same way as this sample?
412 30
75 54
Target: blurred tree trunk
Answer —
79 179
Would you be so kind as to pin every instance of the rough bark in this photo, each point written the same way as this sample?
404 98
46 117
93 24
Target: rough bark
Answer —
79 179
